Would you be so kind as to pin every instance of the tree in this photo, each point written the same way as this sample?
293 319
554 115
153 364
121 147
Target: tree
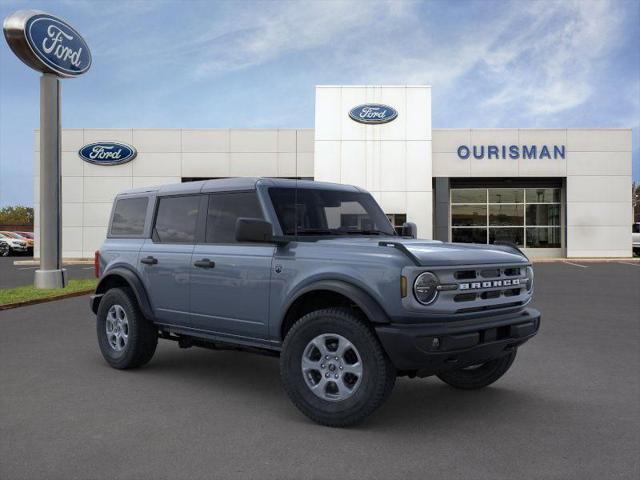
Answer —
636 202
16 215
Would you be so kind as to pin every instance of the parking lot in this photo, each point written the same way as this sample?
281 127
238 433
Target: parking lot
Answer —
20 275
569 408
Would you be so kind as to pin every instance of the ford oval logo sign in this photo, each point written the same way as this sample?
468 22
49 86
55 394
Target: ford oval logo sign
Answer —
107 153
373 113
47 43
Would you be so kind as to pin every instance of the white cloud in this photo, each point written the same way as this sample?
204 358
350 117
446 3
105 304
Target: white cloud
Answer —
549 66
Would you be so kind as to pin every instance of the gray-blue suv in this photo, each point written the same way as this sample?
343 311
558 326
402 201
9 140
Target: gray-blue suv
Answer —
313 273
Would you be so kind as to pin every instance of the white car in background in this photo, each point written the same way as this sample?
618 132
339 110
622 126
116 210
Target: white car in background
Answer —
636 238
15 244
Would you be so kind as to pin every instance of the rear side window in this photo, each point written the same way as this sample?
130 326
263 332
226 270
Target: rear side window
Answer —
176 219
224 210
128 216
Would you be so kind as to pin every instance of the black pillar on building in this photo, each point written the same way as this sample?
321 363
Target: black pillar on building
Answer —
441 209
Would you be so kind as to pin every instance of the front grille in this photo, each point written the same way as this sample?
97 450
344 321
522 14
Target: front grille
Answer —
485 287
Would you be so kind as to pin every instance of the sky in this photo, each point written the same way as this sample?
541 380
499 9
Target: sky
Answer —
208 64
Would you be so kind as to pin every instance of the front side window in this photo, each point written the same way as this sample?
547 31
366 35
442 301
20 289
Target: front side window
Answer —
176 219
128 216
223 212
328 212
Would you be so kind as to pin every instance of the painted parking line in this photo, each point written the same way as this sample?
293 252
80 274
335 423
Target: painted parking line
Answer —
87 268
576 264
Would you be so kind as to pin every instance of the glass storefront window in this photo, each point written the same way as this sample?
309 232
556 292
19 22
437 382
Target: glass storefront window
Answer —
543 195
506 215
543 214
528 217
397 220
469 235
468 215
513 235
544 237
469 195
506 195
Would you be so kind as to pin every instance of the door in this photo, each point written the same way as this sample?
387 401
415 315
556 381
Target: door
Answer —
230 281
165 259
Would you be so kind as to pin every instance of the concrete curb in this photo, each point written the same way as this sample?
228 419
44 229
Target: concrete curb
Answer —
70 261
62 296
587 260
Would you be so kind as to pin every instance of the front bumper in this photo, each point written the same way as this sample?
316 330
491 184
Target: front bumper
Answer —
432 348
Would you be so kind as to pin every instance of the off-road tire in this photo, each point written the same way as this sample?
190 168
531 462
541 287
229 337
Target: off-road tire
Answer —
378 377
142 334
480 377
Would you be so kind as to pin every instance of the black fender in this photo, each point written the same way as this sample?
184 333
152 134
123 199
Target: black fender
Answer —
370 307
133 281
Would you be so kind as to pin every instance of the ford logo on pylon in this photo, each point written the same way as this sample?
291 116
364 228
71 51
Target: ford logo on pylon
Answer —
47 43
107 153
373 113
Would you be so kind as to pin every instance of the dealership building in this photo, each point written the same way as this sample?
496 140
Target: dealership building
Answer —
554 192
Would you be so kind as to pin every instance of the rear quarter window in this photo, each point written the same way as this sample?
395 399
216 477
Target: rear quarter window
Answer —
128 217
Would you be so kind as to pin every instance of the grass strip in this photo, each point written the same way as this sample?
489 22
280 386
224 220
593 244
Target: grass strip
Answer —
9 296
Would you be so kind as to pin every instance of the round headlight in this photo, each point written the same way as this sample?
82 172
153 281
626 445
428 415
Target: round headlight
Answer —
425 288
529 279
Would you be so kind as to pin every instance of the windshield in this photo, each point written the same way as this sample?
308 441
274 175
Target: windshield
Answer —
328 212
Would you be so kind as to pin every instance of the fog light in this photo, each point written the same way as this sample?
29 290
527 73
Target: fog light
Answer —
435 343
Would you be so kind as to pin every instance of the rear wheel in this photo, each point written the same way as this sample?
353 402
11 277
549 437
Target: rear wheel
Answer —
334 369
4 250
126 338
479 376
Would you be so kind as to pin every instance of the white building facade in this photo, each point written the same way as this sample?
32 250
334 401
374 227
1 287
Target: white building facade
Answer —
554 192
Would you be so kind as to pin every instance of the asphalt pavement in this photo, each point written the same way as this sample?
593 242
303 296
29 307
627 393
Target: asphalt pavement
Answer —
568 409
21 275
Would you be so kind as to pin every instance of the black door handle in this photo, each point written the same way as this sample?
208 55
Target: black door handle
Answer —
149 260
204 263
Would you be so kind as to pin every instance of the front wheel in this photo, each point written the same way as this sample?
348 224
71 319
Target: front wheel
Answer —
479 376
334 369
4 250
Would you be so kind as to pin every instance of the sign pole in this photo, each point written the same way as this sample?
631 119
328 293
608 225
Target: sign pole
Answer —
49 45
51 274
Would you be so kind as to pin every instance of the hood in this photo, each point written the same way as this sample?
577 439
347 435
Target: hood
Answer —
436 253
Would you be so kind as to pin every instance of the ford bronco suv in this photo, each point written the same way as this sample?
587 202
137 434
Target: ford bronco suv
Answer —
313 273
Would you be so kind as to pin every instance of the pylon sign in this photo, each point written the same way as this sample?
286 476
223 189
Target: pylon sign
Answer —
49 45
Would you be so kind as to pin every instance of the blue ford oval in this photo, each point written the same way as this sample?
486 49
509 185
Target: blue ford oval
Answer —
57 45
107 153
373 113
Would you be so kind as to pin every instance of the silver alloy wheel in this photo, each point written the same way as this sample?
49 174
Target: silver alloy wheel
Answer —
332 367
117 327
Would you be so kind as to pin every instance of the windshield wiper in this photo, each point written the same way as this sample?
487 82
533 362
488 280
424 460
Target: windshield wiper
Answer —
367 232
318 231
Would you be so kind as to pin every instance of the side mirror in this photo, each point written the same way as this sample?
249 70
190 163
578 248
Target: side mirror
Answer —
409 229
253 230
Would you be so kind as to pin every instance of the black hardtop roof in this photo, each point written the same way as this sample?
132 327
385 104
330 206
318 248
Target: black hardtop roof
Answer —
230 184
